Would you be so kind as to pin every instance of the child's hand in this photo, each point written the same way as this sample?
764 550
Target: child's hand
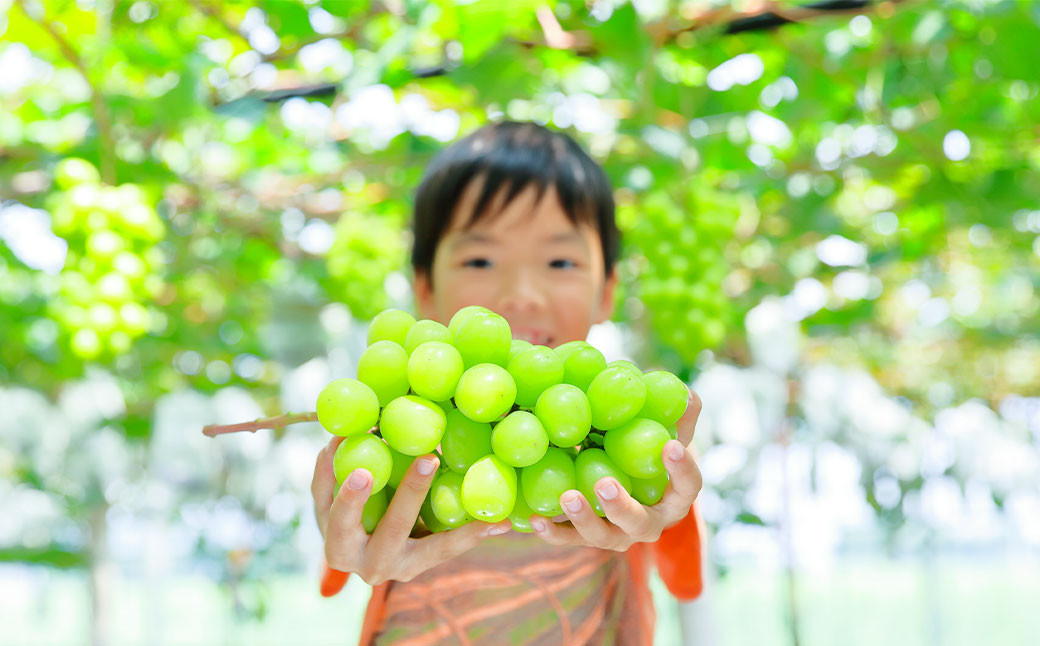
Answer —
389 553
632 522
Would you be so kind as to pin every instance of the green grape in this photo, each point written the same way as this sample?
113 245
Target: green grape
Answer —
401 462
363 451
565 349
534 370
86 344
582 365
545 481
666 397
103 245
519 440
626 364
565 414
636 447
72 171
429 518
485 392
446 499
463 315
347 407
446 406
517 346
390 325
434 370
383 367
649 491
412 425
589 467
616 396
489 489
673 432
424 331
464 441
520 516
483 337
374 509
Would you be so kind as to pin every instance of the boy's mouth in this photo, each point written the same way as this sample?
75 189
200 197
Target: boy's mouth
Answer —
531 335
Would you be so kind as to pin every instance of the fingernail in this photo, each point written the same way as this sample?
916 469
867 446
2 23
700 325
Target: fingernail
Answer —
607 491
425 467
675 451
572 504
497 529
358 479
538 525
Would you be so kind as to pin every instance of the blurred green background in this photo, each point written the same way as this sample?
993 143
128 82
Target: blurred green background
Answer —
831 221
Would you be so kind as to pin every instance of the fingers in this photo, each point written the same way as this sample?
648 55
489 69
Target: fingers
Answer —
392 531
688 422
435 549
556 533
323 484
684 480
345 537
588 528
640 523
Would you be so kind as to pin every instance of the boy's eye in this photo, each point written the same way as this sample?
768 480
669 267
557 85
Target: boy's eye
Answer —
480 263
562 263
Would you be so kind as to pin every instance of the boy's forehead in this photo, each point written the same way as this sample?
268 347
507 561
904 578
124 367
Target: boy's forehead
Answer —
522 210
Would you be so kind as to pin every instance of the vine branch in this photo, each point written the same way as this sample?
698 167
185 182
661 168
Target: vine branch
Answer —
280 421
107 152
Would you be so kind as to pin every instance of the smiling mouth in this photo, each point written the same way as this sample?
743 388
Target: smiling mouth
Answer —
534 337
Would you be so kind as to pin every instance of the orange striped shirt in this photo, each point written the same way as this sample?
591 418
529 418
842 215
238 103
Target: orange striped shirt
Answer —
518 590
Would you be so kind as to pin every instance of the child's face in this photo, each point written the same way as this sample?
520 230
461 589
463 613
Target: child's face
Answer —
527 262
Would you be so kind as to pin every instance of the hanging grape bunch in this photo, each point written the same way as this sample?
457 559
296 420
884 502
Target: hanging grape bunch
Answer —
681 279
515 425
112 266
366 248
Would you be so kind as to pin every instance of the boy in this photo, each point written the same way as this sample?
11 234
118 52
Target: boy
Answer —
519 219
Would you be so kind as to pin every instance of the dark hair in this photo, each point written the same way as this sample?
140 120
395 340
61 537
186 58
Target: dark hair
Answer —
512 155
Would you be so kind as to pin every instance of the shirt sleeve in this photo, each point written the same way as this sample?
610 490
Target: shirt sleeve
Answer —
332 581
678 557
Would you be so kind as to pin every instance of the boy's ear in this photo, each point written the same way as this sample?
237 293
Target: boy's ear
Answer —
606 304
423 288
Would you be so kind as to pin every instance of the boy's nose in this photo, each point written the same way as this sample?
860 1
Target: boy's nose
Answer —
521 295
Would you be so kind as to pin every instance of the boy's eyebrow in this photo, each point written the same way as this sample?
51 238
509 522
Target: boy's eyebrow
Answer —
473 236
570 236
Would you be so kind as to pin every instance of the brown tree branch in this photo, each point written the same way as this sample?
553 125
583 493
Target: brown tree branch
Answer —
351 33
107 152
280 421
665 30
215 14
696 19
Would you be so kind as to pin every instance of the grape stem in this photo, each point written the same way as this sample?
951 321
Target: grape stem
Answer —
280 421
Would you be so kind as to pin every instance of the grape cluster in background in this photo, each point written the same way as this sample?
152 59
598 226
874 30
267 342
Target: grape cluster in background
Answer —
678 249
365 250
515 425
112 267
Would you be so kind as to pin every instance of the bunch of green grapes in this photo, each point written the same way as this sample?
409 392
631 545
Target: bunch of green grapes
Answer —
112 269
365 250
681 268
515 425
